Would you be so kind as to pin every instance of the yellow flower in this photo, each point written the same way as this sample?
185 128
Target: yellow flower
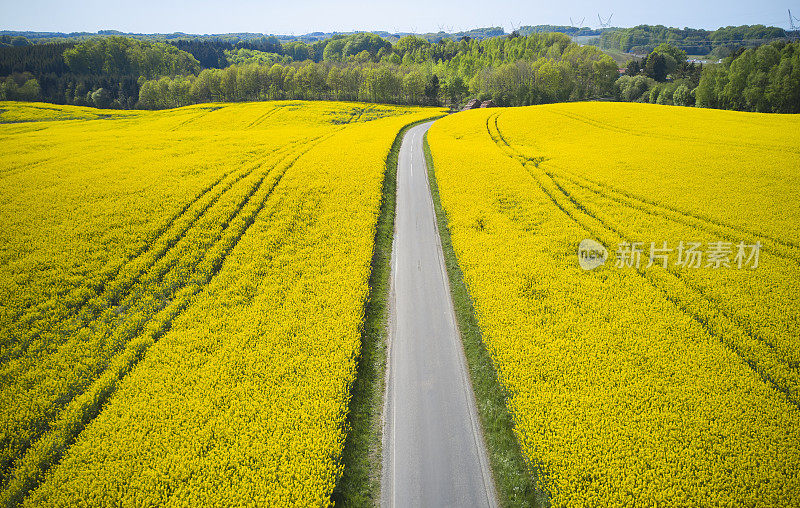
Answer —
635 386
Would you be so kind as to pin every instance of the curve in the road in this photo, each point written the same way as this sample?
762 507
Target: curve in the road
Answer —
434 453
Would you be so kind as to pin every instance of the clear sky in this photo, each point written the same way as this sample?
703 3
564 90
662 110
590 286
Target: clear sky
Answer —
302 16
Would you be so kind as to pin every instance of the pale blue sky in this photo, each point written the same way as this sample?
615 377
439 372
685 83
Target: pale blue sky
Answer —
302 16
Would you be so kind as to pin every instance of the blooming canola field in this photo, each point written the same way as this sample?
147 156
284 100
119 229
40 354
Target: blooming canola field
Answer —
670 374
181 298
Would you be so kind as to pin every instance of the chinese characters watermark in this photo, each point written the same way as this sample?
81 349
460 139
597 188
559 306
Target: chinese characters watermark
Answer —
714 255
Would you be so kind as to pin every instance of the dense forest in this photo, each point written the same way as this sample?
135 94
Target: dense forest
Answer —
102 72
719 43
122 72
27 37
764 79
512 71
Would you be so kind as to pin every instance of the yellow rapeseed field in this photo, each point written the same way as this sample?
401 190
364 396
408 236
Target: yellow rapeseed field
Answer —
181 296
671 383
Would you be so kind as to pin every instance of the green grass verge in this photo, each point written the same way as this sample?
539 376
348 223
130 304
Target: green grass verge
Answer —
360 483
516 485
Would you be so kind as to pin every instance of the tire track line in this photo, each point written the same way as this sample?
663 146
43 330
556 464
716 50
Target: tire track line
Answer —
50 447
715 321
776 246
779 248
622 130
116 287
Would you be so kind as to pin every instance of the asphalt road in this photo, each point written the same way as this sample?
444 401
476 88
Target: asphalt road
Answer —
433 450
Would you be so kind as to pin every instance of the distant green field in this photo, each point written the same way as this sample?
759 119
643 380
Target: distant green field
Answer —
620 57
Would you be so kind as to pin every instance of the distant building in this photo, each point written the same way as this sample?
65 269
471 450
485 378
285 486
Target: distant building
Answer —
474 103
488 104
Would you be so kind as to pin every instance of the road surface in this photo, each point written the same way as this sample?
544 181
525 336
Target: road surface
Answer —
433 450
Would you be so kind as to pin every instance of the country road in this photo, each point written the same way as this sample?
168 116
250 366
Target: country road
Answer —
433 450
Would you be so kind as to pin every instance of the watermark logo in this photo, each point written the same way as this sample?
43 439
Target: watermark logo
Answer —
591 254
642 255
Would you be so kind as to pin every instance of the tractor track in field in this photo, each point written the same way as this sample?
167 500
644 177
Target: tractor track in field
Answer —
35 461
118 297
266 116
156 249
202 113
773 245
146 247
21 168
687 139
593 213
714 325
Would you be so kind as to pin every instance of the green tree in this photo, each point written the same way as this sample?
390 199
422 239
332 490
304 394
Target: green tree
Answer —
368 42
682 96
632 88
228 84
276 81
124 56
101 98
334 50
432 90
673 56
656 67
410 44
455 89
414 87
297 50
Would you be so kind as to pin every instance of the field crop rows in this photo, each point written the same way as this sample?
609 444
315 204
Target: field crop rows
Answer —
183 289
646 384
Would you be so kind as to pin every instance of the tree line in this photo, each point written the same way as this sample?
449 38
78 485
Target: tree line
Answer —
365 81
363 66
764 79
512 71
120 72
719 43
102 72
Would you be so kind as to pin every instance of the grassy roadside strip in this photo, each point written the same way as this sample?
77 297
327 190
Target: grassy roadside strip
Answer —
360 483
515 484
